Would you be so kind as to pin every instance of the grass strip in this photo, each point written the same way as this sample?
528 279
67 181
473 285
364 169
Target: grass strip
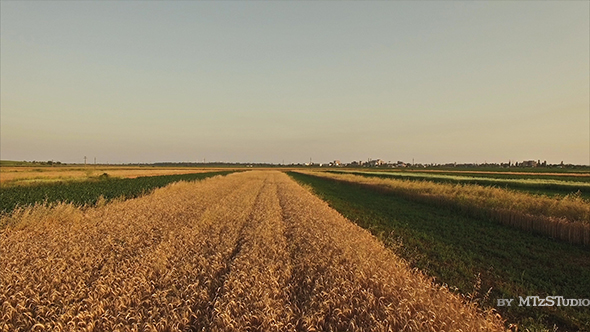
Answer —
540 186
575 177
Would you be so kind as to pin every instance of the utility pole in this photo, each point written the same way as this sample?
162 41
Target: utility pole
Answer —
84 160
94 161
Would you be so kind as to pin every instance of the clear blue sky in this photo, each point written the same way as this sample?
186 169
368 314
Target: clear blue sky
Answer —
271 81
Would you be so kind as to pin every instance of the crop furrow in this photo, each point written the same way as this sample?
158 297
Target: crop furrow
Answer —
220 285
255 296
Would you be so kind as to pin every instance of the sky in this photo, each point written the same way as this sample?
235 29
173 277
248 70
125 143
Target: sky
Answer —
434 82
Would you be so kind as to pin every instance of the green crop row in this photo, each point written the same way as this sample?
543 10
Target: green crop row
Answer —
537 186
89 192
565 177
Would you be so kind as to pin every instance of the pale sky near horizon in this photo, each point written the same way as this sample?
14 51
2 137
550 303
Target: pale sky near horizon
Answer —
439 82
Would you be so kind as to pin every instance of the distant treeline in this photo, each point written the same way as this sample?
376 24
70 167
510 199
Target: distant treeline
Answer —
11 163
211 164
553 168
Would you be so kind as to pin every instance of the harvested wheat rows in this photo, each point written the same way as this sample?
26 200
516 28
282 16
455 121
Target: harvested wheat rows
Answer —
248 251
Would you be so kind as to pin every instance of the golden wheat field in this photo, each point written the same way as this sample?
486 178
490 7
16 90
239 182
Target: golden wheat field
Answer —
250 251
25 175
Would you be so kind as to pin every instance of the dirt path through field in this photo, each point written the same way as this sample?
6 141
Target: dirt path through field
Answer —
252 251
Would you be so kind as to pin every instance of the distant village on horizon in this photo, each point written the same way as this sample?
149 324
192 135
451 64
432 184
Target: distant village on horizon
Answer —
369 163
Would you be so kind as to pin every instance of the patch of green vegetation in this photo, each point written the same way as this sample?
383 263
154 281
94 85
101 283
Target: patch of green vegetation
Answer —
484 260
12 163
89 191
547 169
547 187
574 177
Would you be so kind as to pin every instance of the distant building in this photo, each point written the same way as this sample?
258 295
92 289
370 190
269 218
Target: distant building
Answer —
376 162
529 163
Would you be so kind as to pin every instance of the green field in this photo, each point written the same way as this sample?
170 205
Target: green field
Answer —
89 191
477 257
510 174
551 185
567 169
